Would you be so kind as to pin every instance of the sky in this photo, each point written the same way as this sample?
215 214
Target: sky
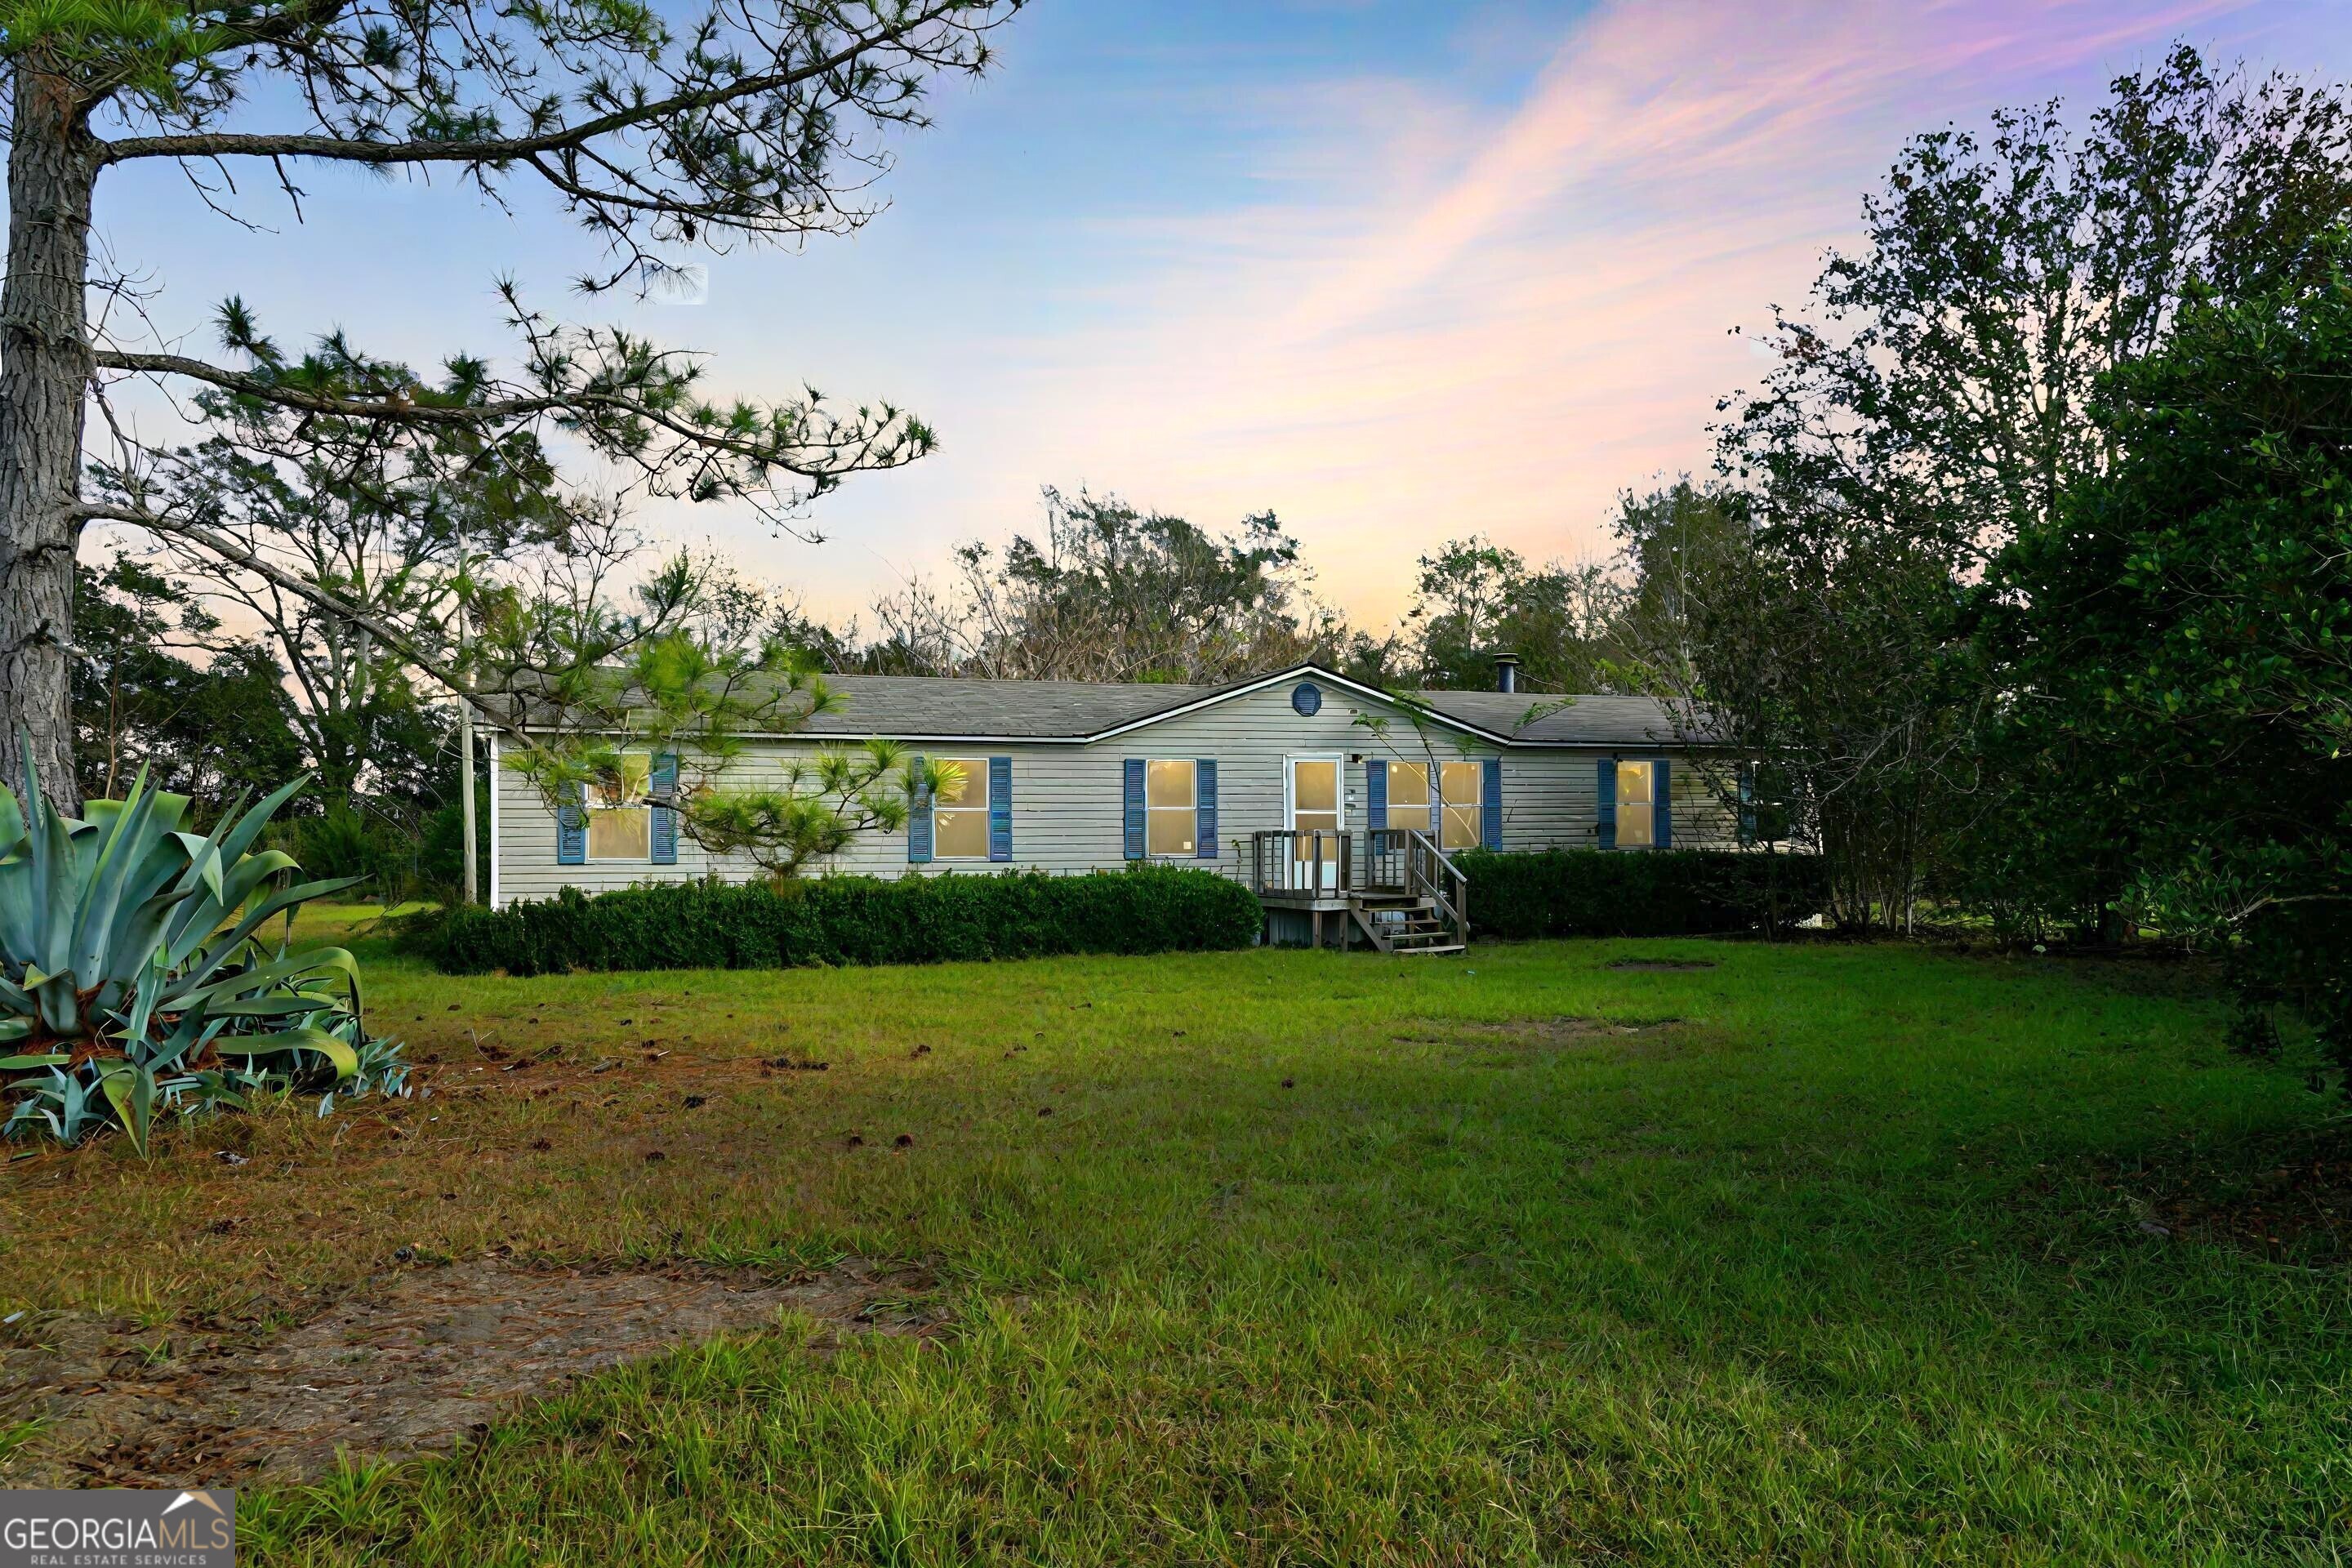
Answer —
1397 270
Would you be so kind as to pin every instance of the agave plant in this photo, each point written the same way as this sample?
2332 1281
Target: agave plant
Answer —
131 981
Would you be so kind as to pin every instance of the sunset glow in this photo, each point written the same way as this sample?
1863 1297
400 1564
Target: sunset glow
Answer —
1397 273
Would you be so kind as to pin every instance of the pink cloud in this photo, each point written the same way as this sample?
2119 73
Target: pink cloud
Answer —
1655 99
1495 325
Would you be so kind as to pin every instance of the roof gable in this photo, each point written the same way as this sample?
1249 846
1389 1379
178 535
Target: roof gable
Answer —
1403 707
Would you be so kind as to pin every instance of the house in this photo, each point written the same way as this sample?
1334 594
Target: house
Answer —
1330 797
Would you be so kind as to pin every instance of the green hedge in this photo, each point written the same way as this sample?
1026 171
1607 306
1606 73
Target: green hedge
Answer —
847 919
1662 892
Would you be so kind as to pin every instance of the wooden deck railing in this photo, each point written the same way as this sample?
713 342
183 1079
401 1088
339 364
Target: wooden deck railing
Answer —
1320 863
1383 862
1298 865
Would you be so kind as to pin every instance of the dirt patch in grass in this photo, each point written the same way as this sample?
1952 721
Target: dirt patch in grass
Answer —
410 1363
1662 965
2288 1198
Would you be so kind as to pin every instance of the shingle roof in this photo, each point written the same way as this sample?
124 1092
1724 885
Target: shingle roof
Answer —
914 705
1039 709
923 707
1559 721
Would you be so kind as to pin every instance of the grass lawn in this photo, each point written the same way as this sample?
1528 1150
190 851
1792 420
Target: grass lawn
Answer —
1821 1253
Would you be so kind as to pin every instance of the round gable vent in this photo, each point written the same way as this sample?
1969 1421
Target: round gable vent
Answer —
1308 699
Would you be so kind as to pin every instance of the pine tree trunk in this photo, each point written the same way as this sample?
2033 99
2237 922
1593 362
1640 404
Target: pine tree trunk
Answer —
45 370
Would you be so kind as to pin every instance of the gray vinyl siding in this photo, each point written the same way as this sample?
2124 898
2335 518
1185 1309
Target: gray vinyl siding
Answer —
1552 800
1067 802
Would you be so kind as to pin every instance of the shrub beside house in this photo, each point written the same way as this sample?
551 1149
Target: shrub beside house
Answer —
713 924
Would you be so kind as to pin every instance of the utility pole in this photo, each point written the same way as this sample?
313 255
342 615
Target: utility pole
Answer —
465 726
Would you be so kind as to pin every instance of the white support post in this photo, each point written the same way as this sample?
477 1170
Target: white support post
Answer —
466 767
465 736
494 819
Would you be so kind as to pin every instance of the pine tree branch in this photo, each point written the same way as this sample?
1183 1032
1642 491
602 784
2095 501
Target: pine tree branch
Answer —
507 149
395 410
825 461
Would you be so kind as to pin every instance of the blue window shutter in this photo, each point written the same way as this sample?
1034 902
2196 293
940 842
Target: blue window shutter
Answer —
1490 803
1204 827
918 814
1435 773
1376 794
1748 803
1133 769
1606 803
1000 808
664 780
572 828
1662 804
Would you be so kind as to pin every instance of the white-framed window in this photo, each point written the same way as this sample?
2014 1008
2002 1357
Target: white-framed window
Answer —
1459 827
1637 798
620 821
1408 795
1171 807
960 809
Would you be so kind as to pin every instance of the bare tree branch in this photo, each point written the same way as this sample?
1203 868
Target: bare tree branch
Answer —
409 646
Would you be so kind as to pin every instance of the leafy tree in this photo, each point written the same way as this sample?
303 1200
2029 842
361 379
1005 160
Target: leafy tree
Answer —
378 539
743 121
2176 645
1940 388
205 731
1111 593
158 685
1460 598
1933 404
1809 662
1475 599
1675 540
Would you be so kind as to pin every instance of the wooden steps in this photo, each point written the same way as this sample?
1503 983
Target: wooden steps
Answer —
1406 926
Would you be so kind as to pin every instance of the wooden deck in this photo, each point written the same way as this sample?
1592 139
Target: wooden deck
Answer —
1392 886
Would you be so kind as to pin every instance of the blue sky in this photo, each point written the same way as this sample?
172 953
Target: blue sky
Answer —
1397 271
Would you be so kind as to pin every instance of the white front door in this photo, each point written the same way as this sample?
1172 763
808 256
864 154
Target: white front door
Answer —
1313 802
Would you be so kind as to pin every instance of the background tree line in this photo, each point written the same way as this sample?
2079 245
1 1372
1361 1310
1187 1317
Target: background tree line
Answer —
1110 591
